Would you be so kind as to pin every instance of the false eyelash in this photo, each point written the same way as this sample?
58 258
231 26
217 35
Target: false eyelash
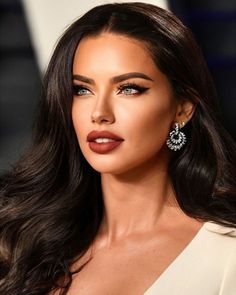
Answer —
139 88
76 88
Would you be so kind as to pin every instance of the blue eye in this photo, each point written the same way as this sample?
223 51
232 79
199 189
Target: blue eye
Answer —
80 90
129 91
132 89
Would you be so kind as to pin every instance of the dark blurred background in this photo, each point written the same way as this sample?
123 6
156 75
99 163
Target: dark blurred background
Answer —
19 83
213 24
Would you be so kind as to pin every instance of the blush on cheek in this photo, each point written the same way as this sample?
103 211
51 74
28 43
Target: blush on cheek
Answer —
159 119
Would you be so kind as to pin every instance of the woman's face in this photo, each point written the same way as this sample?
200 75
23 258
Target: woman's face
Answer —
118 88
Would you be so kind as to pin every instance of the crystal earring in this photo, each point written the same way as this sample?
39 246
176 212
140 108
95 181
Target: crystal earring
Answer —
176 139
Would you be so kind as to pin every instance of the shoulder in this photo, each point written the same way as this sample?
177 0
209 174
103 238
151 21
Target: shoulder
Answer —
221 231
225 242
217 243
221 242
224 236
217 256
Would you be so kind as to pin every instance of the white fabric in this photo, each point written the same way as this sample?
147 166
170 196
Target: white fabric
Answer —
207 266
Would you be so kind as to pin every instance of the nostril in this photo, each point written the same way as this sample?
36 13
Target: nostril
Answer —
100 119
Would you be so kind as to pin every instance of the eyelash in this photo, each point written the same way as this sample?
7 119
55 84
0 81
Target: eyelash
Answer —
122 87
76 88
134 86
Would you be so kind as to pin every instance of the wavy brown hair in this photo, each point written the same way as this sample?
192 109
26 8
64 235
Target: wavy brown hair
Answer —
51 203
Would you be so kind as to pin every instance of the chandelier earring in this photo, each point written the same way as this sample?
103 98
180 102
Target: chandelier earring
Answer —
177 138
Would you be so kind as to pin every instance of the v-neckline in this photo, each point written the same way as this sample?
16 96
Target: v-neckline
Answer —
175 261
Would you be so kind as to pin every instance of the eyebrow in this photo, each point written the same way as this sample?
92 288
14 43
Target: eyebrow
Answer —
115 79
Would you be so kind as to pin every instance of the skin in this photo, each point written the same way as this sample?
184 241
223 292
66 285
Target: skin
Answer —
142 222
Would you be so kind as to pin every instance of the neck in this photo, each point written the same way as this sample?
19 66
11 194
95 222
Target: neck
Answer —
136 202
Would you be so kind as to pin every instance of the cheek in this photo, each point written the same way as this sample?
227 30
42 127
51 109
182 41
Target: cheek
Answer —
75 120
152 123
146 129
79 119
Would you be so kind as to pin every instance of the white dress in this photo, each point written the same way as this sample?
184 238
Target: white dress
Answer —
207 266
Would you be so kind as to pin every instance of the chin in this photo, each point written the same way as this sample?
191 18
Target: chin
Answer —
107 168
115 166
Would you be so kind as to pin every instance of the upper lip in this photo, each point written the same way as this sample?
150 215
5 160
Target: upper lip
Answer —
102 134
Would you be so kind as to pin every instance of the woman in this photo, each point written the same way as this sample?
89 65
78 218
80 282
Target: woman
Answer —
129 187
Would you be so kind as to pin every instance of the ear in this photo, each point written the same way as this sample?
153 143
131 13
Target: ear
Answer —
185 110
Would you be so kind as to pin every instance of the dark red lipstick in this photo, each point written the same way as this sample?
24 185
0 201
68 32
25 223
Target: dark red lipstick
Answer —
99 147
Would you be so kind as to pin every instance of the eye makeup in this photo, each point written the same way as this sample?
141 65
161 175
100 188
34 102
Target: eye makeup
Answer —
138 89
80 90
129 88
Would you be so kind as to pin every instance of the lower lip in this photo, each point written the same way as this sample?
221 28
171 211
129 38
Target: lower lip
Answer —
105 147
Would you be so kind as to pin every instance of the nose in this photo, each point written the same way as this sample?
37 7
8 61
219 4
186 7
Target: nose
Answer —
102 112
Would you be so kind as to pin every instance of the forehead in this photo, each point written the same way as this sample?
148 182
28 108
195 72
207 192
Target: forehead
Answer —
112 51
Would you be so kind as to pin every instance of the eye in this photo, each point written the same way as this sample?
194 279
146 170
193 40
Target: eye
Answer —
80 90
132 89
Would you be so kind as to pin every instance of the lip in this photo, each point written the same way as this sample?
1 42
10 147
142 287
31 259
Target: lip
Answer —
103 134
104 147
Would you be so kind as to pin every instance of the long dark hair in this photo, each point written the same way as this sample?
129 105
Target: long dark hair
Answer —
51 202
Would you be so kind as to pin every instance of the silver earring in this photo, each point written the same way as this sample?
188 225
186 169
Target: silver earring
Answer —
176 139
